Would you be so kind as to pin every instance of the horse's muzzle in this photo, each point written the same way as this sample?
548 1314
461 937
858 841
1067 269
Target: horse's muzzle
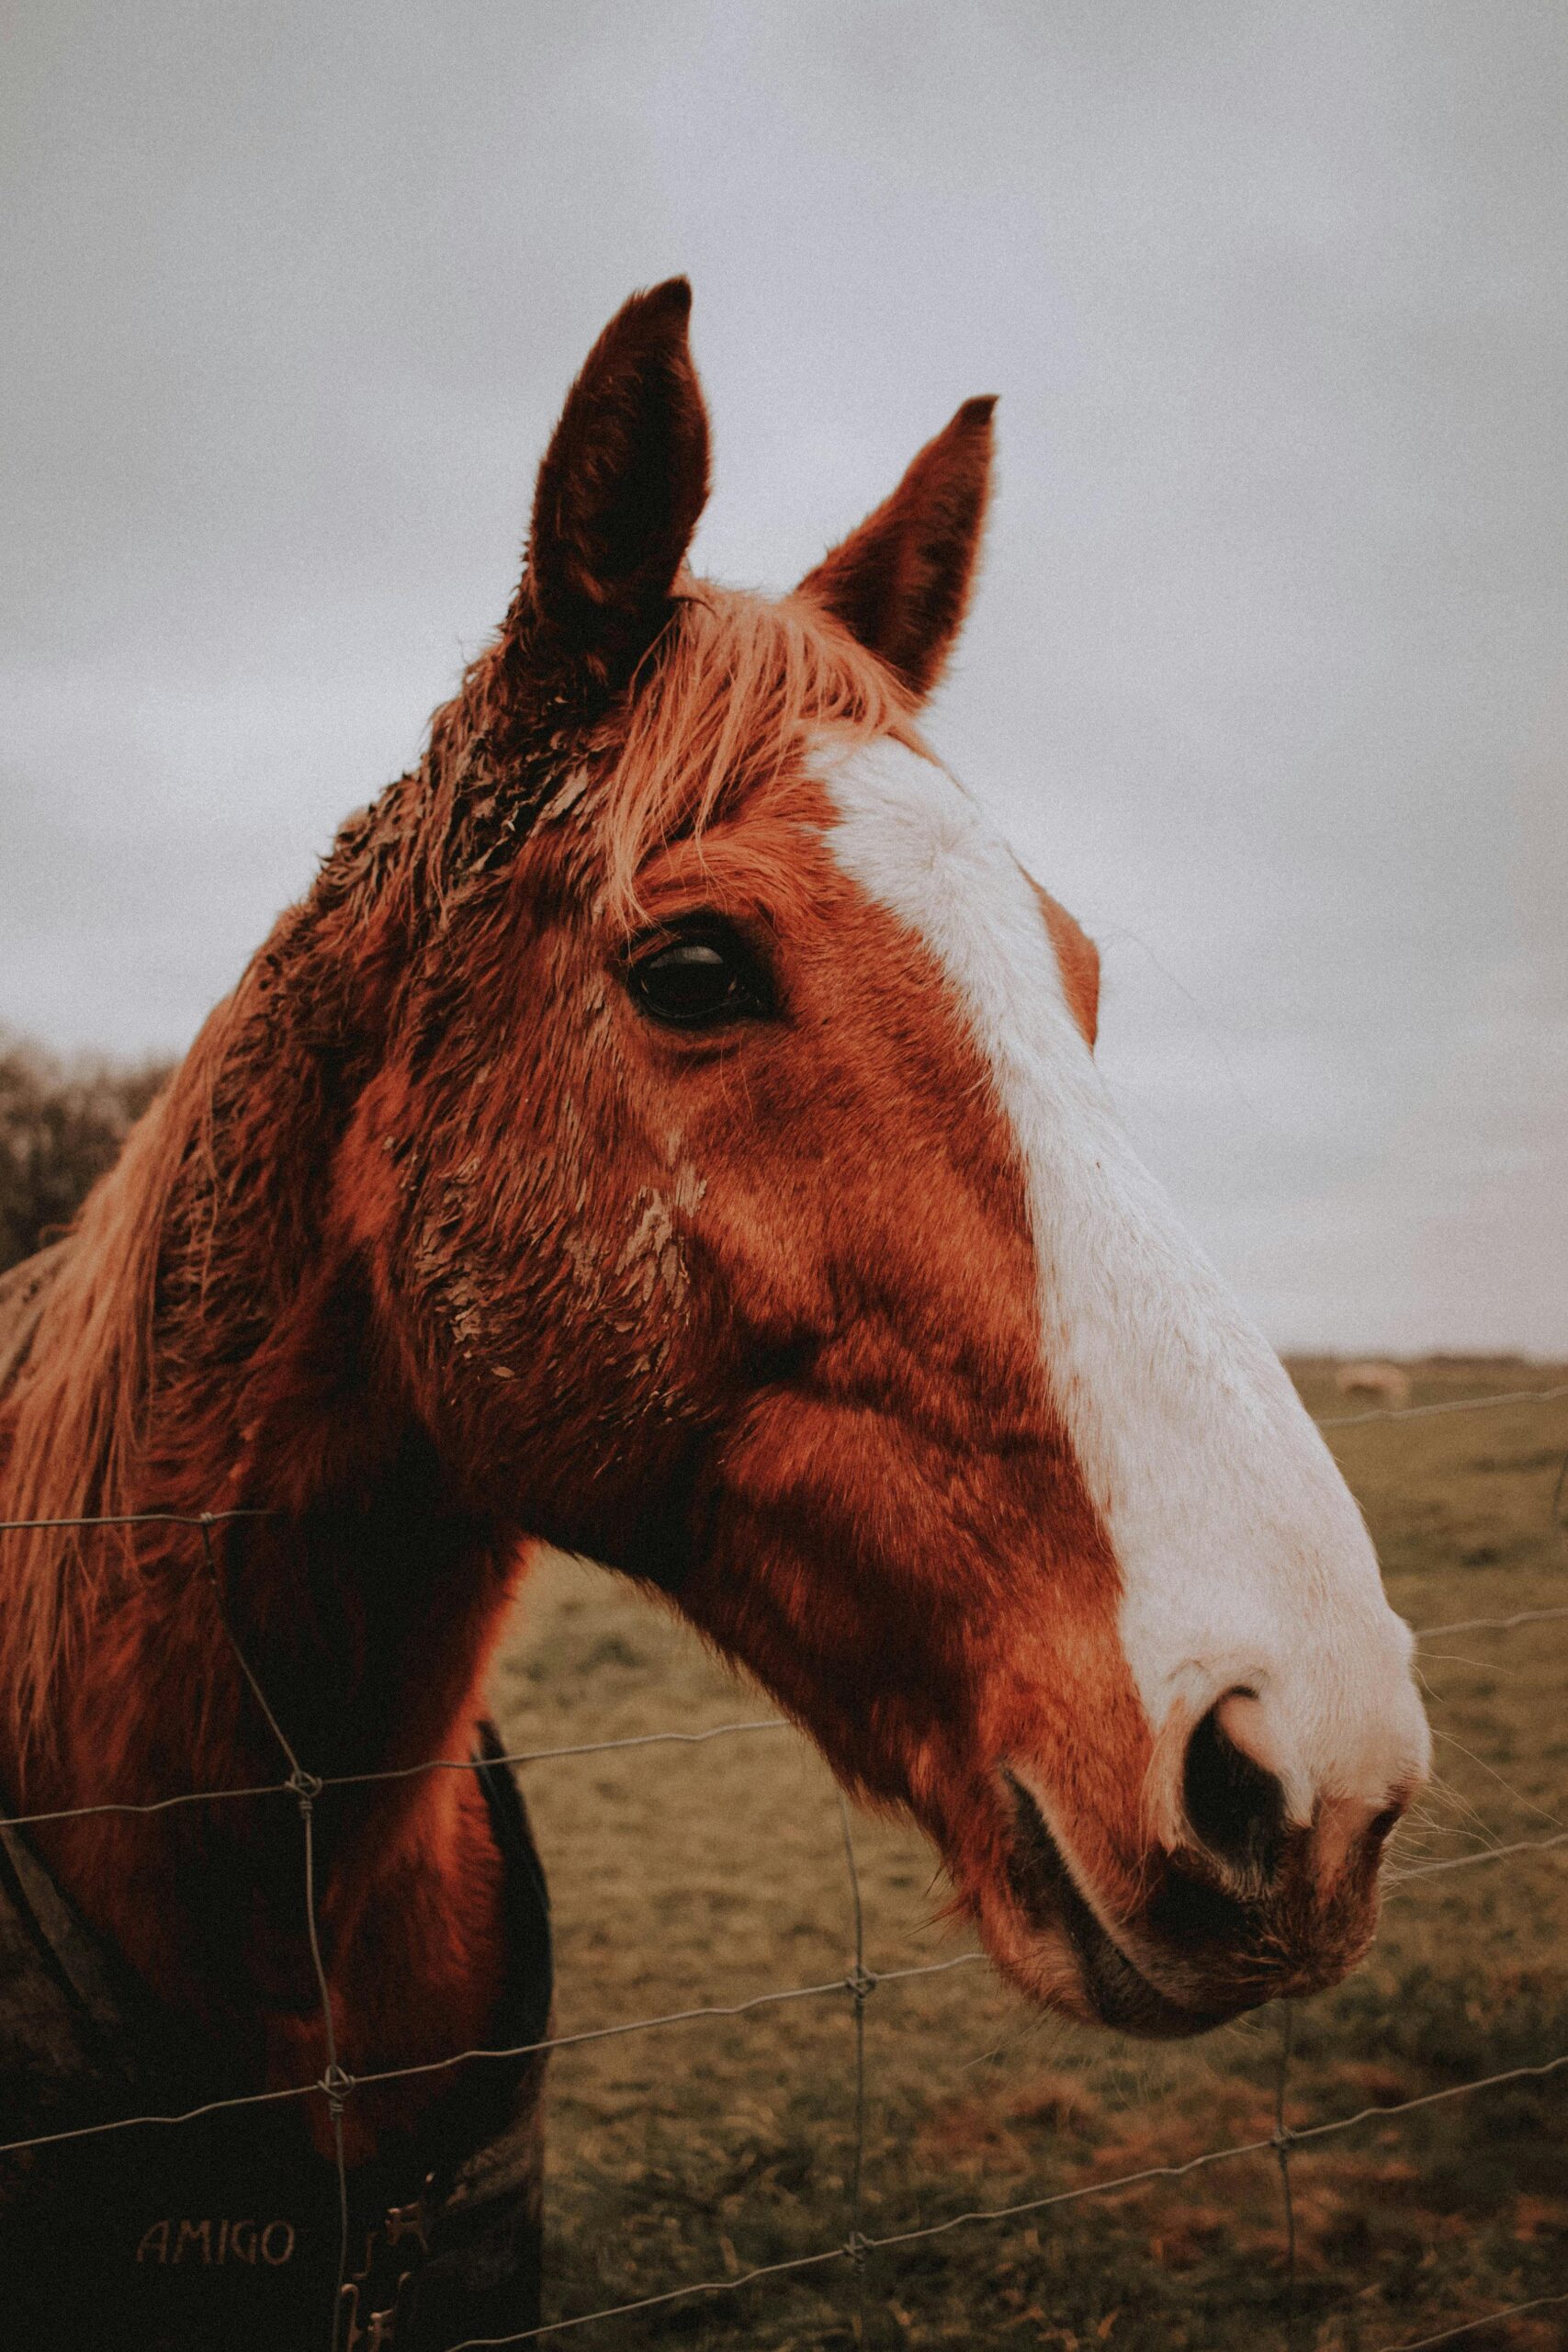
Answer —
1195 1953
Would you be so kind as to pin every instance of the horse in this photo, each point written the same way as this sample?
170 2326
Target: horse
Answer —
668 1130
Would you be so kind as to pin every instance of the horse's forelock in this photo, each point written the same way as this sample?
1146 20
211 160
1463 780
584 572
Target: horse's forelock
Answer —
721 708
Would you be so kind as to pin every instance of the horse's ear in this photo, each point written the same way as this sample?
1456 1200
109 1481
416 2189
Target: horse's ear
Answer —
620 490
900 582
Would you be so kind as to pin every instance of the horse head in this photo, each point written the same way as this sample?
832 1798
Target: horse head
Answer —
741 1207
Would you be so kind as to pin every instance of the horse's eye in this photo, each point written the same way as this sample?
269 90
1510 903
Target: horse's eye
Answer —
701 980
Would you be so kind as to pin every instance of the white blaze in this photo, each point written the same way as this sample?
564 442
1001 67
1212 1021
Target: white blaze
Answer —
1243 1557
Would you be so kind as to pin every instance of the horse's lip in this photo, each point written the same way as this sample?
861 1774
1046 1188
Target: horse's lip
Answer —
1046 1888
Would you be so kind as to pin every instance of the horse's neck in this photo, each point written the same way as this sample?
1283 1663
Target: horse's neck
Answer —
347 1583
362 1600
354 1583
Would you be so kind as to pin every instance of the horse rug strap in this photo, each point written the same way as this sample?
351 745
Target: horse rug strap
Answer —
225 2231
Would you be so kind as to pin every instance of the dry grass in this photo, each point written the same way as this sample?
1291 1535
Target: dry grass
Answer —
694 1875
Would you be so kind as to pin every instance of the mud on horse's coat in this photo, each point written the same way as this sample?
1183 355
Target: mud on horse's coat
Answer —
669 1128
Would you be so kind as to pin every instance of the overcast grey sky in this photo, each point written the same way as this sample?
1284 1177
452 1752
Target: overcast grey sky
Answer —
1265 677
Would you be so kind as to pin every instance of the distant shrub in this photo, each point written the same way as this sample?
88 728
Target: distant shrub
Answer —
62 1124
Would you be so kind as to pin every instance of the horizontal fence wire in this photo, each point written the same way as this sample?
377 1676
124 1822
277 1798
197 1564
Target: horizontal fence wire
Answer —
335 2085
860 1981
522 1756
1487 2319
1444 1405
1308 2134
702 2013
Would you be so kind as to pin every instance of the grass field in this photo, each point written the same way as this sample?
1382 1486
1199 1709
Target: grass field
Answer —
686 1876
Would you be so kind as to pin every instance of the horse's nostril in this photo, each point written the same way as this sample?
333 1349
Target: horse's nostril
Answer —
1235 1806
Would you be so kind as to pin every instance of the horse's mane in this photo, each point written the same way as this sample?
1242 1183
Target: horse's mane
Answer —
81 1374
721 705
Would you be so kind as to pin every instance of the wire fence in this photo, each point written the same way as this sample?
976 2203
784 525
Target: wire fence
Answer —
336 2085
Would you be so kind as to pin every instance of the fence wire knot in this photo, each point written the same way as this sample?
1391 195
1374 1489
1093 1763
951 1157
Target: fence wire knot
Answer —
860 1984
306 1786
336 2083
1283 2139
856 2247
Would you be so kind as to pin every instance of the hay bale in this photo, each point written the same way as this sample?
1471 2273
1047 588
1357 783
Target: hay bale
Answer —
1384 1384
